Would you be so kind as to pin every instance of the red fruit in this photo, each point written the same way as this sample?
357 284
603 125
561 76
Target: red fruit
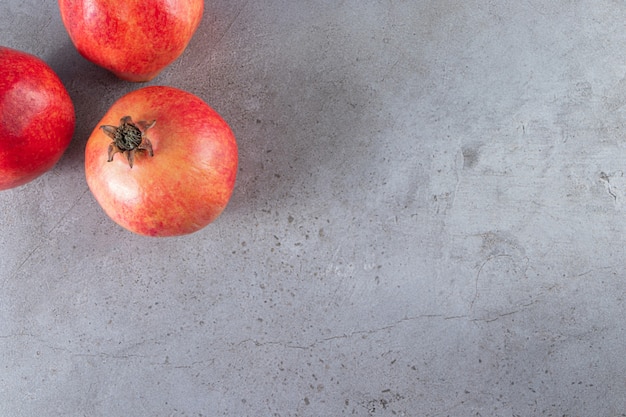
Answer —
134 39
161 162
36 118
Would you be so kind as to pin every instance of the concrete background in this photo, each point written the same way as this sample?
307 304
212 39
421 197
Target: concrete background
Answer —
428 220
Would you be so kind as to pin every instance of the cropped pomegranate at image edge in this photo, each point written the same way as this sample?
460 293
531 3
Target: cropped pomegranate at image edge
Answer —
37 118
134 39
161 162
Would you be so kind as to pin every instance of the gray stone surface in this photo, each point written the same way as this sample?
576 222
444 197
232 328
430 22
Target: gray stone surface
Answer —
428 220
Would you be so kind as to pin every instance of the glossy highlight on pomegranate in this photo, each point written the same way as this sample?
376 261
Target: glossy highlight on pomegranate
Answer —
182 182
134 39
37 118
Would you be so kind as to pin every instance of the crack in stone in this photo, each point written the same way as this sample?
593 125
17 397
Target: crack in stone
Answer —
291 345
